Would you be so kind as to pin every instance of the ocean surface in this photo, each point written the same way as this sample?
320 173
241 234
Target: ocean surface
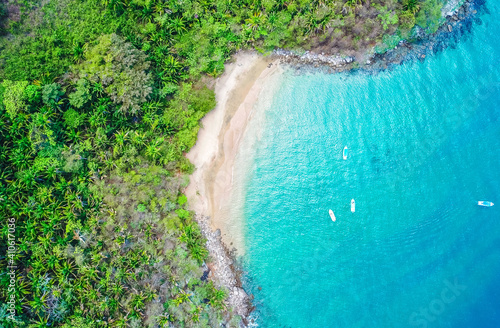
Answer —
424 141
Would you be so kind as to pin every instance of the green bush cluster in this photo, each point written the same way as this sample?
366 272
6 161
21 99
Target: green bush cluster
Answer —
103 234
99 101
119 68
14 96
429 15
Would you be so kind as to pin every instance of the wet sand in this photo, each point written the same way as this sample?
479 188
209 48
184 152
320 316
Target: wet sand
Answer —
211 185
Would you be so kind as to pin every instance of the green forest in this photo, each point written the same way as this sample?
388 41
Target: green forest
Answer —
99 102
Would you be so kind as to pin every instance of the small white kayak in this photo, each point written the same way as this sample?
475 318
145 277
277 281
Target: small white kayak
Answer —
332 215
344 153
485 203
353 205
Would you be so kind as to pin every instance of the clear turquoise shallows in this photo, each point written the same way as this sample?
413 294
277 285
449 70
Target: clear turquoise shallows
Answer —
424 147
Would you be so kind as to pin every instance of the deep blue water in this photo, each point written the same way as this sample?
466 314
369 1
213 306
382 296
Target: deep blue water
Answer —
424 142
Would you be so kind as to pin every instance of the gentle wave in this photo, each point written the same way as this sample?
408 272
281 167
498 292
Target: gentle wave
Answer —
424 144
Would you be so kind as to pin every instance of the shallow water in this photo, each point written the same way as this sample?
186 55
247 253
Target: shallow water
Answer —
424 147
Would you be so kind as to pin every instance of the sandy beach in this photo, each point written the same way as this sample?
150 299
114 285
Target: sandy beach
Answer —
211 185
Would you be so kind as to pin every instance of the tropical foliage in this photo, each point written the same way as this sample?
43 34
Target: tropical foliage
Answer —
99 101
102 231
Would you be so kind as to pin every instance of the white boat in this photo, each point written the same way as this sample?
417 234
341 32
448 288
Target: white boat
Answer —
353 205
485 203
344 153
332 215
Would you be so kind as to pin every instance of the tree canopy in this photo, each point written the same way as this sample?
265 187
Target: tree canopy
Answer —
99 101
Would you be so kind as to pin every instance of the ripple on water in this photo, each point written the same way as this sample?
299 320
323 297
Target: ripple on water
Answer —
424 147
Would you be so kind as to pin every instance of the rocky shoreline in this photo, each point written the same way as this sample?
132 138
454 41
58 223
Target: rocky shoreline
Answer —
222 267
458 24
222 270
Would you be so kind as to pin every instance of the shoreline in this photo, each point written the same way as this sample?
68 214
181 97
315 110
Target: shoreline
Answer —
223 270
211 185
457 25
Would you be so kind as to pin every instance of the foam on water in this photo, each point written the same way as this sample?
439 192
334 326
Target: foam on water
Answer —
424 144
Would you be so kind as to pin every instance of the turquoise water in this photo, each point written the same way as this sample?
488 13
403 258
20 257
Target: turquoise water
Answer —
424 147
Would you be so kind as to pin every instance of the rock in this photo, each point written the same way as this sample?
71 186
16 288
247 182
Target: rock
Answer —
221 271
457 16
241 300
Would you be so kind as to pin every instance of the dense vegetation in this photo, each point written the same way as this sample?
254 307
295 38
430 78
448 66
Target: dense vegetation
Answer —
99 100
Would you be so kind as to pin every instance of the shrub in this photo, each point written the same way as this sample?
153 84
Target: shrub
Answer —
51 94
81 95
182 200
121 69
13 96
429 15
73 119
387 17
407 20
32 93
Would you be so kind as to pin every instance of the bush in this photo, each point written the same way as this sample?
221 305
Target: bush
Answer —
429 16
387 17
121 69
13 96
81 95
32 93
407 20
51 94
73 119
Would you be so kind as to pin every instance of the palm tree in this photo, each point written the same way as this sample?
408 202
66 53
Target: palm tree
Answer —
164 321
177 24
138 138
117 289
38 304
97 119
138 301
52 262
97 88
121 137
77 51
41 322
171 69
51 173
199 253
350 6
254 21
153 149
30 229
120 323
44 194
74 135
145 14
412 6
90 272
160 7
67 268
181 298
218 298
20 158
